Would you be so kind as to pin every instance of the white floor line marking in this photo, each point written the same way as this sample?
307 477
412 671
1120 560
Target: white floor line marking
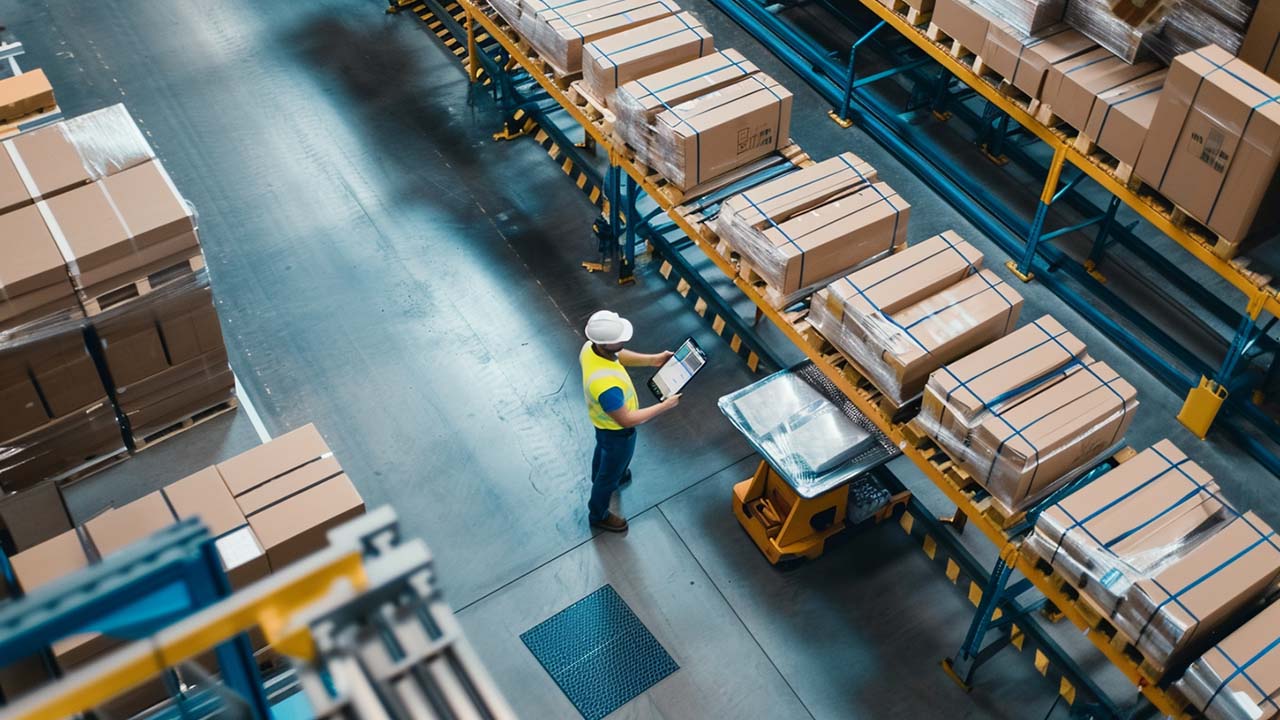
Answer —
254 418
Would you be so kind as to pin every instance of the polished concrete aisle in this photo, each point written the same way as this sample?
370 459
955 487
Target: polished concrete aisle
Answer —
385 270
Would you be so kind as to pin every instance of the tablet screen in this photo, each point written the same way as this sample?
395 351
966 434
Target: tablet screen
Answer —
679 370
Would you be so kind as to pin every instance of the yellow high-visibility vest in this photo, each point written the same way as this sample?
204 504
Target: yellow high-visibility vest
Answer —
598 375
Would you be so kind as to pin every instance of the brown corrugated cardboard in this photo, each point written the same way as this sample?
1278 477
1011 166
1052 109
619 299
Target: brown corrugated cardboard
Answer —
87 228
1243 670
148 203
31 257
13 192
156 413
1072 86
24 94
966 388
1121 116
296 527
832 239
797 192
120 527
48 160
975 311
205 496
722 131
295 482
621 58
273 459
964 21
191 333
1025 449
49 561
559 33
60 446
34 516
174 253
133 352
69 382
21 410
1033 63
638 102
1214 145
1261 47
904 278
1232 568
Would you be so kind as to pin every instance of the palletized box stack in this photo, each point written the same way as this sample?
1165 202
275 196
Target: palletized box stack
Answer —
1121 117
23 97
265 508
1261 45
1028 17
1164 30
701 119
558 29
1240 676
1071 87
1028 412
905 316
618 59
1095 19
810 226
1214 145
1153 546
1024 61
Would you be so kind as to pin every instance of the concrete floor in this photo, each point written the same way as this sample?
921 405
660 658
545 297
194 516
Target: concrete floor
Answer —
386 271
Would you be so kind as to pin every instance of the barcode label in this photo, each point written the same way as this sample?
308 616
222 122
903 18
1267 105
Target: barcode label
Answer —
1208 148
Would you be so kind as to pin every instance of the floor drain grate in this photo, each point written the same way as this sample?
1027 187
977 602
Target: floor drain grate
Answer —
599 653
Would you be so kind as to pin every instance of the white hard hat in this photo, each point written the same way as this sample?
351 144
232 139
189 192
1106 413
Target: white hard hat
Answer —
607 327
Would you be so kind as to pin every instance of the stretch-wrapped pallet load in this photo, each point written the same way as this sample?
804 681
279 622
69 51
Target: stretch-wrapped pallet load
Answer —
1127 524
699 120
1177 28
1261 45
1026 64
1121 117
1095 19
909 314
1072 86
1028 17
609 63
559 29
638 103
22 96
1239 678
1027 413
1172 613
808 227
964 21
1214 145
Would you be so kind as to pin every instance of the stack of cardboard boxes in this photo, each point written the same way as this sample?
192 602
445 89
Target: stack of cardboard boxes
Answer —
266 508
609 63
1261 45
23 97
1027 413
1240 676
701 119
1071 87
905 316
1214 146
558 29
803 229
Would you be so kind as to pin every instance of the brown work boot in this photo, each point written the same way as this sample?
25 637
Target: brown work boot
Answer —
612 523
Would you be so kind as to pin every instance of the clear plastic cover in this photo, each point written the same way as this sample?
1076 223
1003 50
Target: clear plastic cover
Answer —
1027 16
1182 26
899 350
108 140
1029 440
560 29
1095 19
61 448
1236 680
810 434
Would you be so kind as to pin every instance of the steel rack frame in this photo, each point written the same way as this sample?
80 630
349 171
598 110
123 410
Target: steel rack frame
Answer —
1229 384
974 509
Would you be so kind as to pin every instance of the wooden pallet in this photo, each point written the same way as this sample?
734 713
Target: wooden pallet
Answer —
1217 244
849 369
957 50
141 287
591 107
152 439
912 15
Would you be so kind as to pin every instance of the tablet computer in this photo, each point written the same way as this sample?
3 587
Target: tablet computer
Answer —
678 371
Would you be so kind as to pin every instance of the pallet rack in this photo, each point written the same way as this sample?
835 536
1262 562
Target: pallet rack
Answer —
1208 383
495 57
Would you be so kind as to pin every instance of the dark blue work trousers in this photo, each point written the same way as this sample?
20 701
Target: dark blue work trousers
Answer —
614 449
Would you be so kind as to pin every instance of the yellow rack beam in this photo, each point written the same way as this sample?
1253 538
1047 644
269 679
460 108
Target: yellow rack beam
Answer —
977 516
1259 297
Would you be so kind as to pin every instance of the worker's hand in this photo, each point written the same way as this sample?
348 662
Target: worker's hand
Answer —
661 358
670 402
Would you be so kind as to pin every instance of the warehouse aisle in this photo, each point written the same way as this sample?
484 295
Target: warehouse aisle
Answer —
385 270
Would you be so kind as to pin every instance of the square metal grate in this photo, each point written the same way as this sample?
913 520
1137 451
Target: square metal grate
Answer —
599 653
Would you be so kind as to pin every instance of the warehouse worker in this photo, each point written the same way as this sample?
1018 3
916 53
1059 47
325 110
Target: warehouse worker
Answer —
614 409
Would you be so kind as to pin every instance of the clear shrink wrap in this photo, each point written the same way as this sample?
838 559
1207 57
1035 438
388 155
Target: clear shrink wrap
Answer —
1239 678
559 30
1027 413
641 51
1095 19
1028 17
637 103
928 305
1173 29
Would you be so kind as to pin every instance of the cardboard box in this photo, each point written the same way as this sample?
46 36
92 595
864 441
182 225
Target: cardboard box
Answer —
1027 17
638 102
13 192
32 261
1240 676
21 409
559 33
33 516
1214 145
120 527
957 398
1023 451
133 351
1121 116
1261 47
69 382
814 247
86 227
173 255
47 161
1174 613
704 138
60 446
282 455
965 21
204 495
49 561
796 192
612 61
296 527
149 204
1034 60
280 488
974 312
1072 86
24 94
